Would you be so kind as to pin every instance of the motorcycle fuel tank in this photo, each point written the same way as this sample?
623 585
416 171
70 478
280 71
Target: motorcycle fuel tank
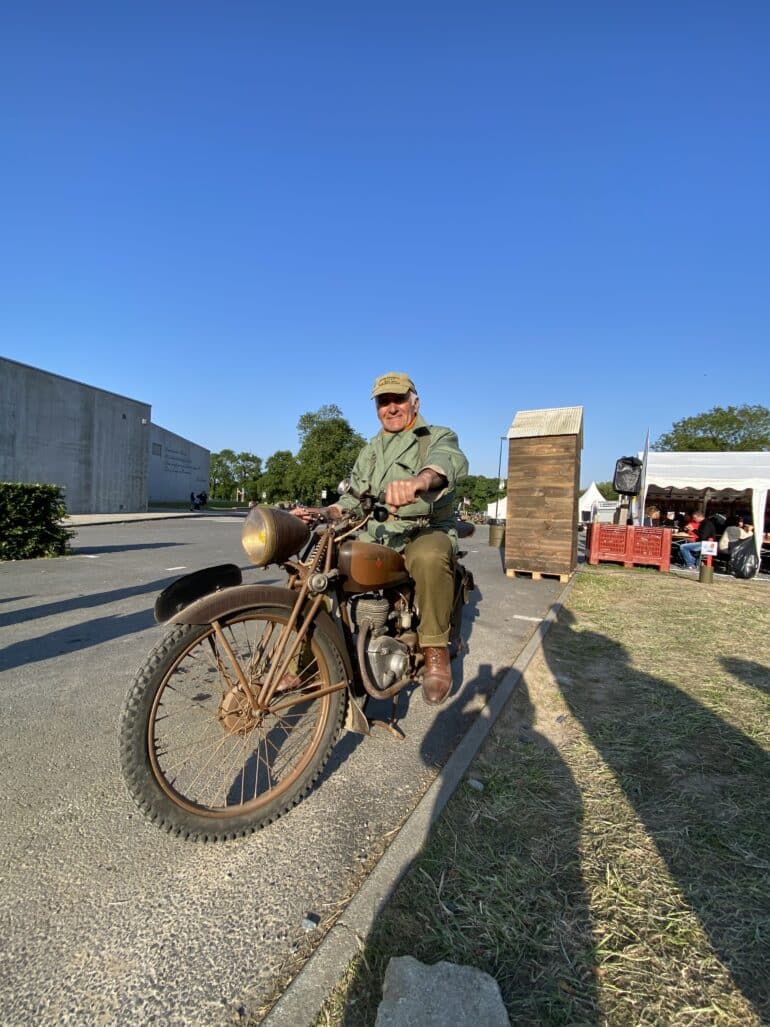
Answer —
366 565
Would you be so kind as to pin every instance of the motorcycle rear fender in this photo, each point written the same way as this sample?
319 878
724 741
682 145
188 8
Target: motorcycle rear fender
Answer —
246 597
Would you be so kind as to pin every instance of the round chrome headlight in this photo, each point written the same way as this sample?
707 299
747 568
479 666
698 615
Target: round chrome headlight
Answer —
272 536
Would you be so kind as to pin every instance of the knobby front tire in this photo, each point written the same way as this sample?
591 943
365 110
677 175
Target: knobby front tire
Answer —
195 758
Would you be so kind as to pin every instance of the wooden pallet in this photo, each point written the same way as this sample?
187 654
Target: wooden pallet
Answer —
536 575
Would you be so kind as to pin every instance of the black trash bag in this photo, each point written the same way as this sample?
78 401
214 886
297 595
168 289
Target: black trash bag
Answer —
744 561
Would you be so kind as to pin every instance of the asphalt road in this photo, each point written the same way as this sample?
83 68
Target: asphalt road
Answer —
105 919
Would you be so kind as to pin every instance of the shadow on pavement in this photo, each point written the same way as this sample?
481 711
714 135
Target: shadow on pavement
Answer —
76 550
74 638
83 602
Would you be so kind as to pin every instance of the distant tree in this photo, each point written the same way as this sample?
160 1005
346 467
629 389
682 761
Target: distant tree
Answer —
479 490
328 449
221 476
310 421
720 429
247 471
230 471
606 489
279 478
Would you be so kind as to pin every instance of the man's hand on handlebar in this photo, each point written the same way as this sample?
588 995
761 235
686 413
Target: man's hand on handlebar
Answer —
406 490
398 493
313 514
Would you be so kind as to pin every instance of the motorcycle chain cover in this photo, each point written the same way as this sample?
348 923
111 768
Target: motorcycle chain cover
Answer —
186 590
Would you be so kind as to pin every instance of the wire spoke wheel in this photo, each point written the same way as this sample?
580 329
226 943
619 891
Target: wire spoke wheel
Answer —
198 756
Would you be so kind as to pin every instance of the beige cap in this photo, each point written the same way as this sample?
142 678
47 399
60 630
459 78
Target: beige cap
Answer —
395 382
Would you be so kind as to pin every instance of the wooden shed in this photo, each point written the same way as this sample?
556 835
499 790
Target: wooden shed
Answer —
541 526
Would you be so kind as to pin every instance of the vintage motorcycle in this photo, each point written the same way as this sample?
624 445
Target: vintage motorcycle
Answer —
235 712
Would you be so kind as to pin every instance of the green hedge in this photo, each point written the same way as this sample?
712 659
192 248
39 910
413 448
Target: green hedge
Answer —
30 521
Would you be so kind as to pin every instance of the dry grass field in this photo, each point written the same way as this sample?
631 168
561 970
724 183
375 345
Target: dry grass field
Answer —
615 868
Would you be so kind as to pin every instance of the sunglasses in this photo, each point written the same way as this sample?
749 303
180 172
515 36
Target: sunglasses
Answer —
391 397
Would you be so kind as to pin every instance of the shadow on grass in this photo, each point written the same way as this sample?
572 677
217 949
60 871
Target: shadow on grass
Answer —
752 673
699 787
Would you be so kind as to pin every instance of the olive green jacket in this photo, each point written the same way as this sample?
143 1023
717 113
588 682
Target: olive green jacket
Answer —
391 456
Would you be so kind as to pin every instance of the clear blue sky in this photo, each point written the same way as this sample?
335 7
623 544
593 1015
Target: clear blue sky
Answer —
241 211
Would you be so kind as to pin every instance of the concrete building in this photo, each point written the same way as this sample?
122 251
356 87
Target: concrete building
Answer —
177 467
98 446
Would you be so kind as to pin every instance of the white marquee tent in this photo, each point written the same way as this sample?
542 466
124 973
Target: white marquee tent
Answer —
498 508
736 472
588 502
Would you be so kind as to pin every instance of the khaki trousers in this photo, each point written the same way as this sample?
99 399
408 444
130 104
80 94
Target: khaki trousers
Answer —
429 559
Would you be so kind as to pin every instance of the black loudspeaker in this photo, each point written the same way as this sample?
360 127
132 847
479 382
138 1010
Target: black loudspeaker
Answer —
628 476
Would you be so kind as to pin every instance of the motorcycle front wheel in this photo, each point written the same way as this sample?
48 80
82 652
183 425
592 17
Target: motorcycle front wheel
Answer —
197 760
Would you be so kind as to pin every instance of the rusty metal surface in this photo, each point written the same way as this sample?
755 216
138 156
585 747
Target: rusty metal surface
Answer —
188 589
369 565
229 600
271 535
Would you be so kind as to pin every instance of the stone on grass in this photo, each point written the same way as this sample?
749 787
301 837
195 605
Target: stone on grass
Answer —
416 995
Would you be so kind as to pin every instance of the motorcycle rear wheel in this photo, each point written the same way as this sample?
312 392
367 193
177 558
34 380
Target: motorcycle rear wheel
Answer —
197 761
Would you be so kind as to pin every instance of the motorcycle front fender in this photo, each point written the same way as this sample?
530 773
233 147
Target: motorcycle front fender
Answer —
223 602
186 590
246 597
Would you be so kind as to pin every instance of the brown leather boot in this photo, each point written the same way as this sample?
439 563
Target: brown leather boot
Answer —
437 677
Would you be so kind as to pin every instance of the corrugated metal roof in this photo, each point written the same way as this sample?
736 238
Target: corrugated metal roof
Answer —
551 421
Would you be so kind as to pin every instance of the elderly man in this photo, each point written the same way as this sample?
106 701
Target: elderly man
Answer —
417 466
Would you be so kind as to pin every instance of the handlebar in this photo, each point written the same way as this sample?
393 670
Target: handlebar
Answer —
377 508
371 505
375 505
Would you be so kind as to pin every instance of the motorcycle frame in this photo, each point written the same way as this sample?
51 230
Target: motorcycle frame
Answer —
213 608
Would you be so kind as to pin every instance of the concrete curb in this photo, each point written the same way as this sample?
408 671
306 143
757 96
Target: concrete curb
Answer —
300 1003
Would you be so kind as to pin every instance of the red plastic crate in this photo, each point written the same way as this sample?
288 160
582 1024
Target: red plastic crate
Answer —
629 545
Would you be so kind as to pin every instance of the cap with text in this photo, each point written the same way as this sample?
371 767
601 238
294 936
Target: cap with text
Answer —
395 382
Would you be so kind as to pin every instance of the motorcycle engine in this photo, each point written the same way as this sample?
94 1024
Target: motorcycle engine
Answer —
388 660
386 657
371 608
